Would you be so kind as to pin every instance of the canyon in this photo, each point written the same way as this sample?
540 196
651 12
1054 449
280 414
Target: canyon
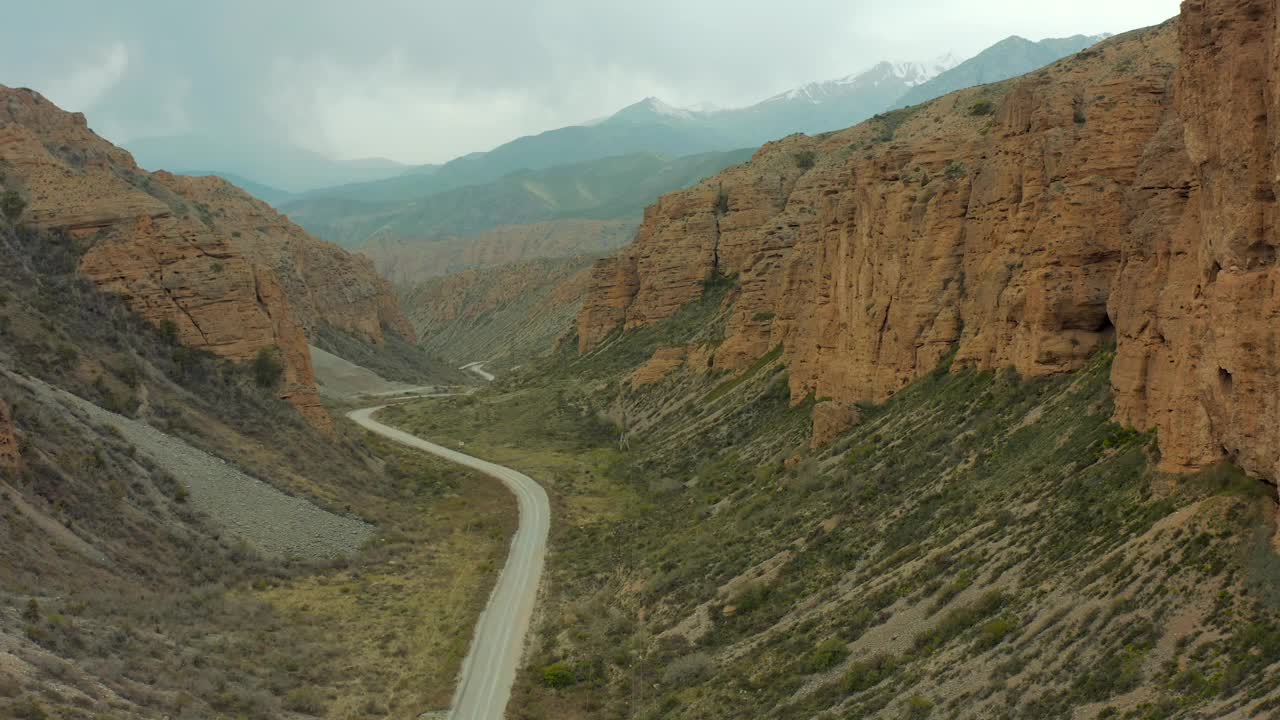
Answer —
1125 194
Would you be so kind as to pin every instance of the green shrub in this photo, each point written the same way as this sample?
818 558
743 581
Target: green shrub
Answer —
305 700
12 205
918 707
722 202
866 674
169 331
827 655
993 632
29 709
805 159
982 107
267 369
954 170
558 675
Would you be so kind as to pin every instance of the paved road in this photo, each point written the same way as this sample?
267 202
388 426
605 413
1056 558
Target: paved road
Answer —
490 668
478 368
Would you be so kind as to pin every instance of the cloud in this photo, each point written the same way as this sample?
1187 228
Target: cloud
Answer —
85 84
427 80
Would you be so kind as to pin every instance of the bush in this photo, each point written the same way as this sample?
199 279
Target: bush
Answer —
982 107
722 202
866 674
267 369
29 710
918 707
827 655
12 205
558 675
994 632
689 670
805 159
304 700
954 170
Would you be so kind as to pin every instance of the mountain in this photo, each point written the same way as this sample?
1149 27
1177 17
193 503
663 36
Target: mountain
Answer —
964 412
276 165
832 105
408 261
219 269
1008 58
270 195
383 212
506 315
604 189
170 485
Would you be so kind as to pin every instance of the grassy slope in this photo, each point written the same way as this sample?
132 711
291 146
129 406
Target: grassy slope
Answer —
118 601
978 547
615 187
505 315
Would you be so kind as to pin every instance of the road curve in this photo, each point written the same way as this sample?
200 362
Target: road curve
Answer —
478 368
490 668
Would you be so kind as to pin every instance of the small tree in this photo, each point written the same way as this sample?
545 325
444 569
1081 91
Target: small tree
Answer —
982 107
12 205
558 675
805 159
827 655
267 369
722 202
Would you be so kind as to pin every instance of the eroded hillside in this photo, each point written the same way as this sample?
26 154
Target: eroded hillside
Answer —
1126 191
216 268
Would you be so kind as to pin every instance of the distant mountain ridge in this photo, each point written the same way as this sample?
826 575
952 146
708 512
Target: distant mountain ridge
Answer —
282 166
1008 58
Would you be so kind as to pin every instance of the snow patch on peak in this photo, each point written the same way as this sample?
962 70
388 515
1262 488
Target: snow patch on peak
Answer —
659 107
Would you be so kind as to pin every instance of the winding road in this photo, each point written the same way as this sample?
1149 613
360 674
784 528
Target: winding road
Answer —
489 670
478 368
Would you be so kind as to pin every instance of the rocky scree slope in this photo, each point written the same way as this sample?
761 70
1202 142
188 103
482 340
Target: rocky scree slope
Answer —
115 567
1127 192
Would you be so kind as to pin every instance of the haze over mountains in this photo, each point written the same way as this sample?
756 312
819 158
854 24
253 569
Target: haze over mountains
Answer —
648 126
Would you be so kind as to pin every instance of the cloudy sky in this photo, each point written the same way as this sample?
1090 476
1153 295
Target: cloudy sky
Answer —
426 80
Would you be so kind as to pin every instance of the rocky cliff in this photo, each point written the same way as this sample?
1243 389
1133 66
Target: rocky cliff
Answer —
324 282
1127 192
170 260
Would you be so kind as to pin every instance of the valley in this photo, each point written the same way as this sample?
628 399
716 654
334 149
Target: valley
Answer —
945 389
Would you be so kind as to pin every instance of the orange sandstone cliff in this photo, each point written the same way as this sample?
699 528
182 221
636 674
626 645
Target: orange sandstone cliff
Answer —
1128 192
324 282
172 263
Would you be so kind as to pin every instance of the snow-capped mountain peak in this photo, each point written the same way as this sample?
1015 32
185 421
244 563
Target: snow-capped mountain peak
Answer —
908 74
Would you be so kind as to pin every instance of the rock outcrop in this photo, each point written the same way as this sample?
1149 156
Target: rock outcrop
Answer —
172 263
10 457
832 419
324 283
1127 192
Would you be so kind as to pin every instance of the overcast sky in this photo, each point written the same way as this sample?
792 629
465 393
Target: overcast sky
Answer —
426 81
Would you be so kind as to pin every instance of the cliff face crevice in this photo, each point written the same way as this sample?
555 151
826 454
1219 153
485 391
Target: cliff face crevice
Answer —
1126 193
